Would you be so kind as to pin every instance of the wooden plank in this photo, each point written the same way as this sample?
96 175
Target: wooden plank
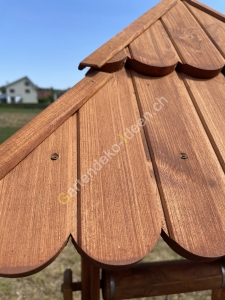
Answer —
37 130
116 63
36 212
207 9
199 56
118 213
214 27
161 278
192 190
152 53
209 100
98 58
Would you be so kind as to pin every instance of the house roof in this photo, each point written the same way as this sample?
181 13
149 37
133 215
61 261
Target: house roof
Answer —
21 79
140 145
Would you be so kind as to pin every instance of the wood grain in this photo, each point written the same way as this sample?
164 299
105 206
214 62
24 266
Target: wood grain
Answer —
98 58
37 130
152 53
199 56
214 27
162 278
192 190
209 99
208 10
119 220
35 225
116 63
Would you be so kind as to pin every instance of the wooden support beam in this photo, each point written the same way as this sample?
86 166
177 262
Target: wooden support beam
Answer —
86 279
67 285
207 9
163 278
95 282
218 294
90 280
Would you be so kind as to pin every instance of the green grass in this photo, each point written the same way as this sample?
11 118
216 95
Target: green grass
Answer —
20 110
6 132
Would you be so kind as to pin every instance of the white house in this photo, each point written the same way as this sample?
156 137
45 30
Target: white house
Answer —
21 91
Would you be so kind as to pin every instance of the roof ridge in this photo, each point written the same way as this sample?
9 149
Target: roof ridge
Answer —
20 79
206 9
107 51
25 140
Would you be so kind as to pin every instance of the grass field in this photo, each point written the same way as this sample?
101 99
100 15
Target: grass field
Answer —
20 110
7 132
46 284
12 119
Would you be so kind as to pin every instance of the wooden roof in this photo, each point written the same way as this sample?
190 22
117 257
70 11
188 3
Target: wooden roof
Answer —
143 133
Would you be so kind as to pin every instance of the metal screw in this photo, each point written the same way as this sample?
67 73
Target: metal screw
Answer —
183 156
54 156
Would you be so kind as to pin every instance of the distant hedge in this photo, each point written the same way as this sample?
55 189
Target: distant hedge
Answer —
25 105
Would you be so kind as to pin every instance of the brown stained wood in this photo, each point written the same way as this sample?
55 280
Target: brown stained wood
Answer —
199 56
98 58
213 27
152 53
90 274
67 287
192 190
218 294
86 279
118 213
116 63
37 130
35 224
95 282
161 278
207 9
209 99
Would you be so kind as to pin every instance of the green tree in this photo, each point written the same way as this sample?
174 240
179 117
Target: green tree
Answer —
3 89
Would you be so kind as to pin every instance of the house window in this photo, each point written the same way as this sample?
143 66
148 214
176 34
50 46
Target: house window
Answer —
12 91
27 83
27 91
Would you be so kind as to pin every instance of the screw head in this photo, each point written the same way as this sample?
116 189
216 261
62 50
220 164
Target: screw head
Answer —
183 156
54 156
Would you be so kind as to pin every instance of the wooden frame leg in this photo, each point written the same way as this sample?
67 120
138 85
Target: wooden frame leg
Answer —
67 289
90 275
218 294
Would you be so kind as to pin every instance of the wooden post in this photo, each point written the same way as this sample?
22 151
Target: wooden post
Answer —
218 294
95 282
90 280
67 285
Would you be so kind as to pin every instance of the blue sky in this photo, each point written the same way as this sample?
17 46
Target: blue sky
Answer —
47 39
